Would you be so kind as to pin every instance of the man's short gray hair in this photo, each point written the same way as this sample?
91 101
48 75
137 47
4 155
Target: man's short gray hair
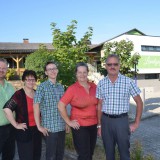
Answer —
4 61
113 56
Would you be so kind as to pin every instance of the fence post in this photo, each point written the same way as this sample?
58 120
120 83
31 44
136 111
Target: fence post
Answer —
143 98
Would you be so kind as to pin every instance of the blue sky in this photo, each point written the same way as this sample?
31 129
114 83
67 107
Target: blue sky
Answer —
32 18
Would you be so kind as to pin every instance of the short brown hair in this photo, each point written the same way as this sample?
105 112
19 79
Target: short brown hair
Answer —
81 64
49 62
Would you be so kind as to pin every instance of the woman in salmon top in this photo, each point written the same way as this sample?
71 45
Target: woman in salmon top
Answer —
83 118
27 135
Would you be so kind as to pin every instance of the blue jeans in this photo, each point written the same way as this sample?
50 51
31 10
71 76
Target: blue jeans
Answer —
85 141
55 144
7 142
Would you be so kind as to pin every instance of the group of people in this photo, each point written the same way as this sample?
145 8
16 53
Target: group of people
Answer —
102 110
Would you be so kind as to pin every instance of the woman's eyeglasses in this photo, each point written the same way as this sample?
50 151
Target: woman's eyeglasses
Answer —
30 80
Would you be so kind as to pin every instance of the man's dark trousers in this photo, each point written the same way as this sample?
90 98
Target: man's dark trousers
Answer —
116 131
7 142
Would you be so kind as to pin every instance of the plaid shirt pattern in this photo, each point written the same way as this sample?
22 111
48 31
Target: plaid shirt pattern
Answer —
48 96
116 96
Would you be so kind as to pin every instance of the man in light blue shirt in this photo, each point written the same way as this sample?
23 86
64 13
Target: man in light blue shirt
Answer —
7 137
114 93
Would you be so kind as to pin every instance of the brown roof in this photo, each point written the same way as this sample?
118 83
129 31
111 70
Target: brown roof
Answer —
22 47
9 47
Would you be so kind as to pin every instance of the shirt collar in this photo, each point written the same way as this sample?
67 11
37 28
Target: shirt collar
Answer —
119 76
78 84
5 84
49 81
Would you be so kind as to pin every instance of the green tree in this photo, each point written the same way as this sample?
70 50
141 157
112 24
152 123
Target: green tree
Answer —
123 49
68 50
37 60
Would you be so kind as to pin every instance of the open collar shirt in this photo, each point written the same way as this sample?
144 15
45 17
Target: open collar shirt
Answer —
116 96
83 104
6 92
48 96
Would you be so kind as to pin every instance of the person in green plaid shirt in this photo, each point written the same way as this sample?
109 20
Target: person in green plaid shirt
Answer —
7 136
47 116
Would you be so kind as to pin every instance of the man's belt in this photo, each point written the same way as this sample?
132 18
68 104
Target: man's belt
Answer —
115 115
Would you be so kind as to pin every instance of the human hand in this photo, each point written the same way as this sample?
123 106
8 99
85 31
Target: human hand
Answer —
74 124
133 127
43 130
22 126
68 129
99 132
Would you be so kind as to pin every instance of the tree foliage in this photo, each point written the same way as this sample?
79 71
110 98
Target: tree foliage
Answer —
68 50
123 49
11 74
37 60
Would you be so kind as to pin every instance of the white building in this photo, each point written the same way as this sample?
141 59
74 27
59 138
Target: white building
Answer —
149 49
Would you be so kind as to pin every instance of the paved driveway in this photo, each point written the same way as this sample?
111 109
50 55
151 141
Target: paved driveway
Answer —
148 134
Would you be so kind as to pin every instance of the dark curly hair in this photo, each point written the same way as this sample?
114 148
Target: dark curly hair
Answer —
27 73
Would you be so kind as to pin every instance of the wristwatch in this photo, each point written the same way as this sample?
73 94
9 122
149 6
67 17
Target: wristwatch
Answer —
98 126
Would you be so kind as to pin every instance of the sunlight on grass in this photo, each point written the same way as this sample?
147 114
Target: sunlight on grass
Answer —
99 153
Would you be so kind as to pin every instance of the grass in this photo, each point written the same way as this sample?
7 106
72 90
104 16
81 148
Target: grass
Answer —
137 152
69 142
99 153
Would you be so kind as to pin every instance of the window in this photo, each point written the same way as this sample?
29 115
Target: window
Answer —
150 48
151 76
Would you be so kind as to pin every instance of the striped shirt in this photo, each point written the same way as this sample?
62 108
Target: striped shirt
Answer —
116 96
6 92
48 96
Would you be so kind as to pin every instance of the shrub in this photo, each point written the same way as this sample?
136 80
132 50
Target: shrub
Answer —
12 74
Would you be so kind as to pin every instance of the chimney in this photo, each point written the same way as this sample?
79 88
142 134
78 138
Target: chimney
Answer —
25 40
